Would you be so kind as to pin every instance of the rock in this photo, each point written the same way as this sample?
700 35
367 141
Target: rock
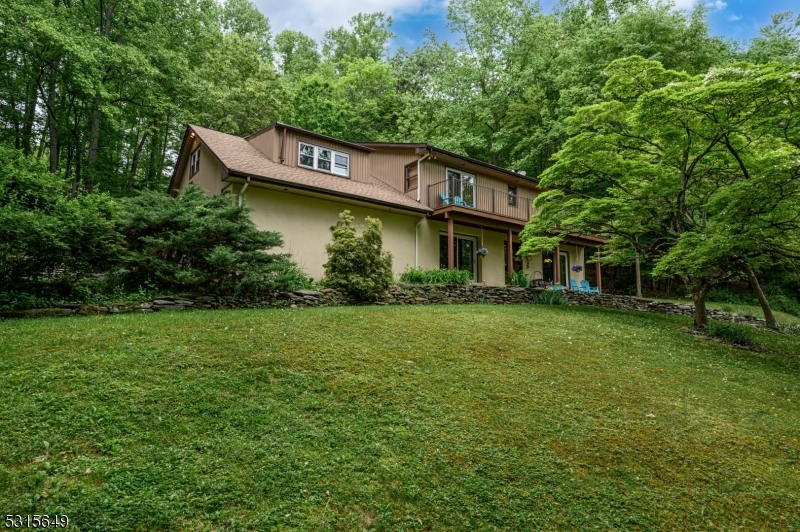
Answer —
164 302
314 293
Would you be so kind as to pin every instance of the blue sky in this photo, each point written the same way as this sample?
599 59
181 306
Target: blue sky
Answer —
734 19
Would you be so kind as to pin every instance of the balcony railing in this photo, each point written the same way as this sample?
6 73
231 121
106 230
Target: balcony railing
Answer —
483 199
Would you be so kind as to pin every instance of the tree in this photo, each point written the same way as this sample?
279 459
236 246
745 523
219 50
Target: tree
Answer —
368 36
704 168
49 242
779 41
368 88
243 18
199 242
236 91
297 53
357 262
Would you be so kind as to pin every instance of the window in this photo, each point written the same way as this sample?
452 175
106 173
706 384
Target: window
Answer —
324 159
195 163
411 177
512 195
464 248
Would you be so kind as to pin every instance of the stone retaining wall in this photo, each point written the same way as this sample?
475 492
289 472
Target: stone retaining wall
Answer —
396 295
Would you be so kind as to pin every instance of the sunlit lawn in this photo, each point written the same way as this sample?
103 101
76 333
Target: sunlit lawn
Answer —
390 418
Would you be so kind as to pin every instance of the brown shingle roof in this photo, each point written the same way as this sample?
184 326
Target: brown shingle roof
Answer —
242 158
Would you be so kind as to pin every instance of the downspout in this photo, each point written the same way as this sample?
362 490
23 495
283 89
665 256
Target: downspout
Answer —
419 173
283 145
241 192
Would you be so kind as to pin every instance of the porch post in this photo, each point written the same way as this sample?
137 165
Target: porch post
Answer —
451 253
597 272
510 253
557 260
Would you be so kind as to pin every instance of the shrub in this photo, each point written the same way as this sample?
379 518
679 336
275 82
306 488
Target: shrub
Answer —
518 279
357 263
549 297
49 242
785 304
729 332
435 276
194 241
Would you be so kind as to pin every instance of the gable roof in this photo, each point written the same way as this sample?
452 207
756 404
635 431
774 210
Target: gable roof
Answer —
241 159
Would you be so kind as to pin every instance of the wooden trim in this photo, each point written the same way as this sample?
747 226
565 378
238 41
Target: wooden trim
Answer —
557 260
478 216
598 273
451 253
308 133
510 253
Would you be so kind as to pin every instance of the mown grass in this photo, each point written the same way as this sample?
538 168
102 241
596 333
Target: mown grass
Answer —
386 418
744 310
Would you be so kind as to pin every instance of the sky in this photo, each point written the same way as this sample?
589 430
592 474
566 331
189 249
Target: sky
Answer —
734 19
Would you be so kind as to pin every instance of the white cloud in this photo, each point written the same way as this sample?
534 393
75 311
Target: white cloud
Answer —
716 5
315 17
734 18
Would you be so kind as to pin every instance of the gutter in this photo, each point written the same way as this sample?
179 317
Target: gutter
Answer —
419 173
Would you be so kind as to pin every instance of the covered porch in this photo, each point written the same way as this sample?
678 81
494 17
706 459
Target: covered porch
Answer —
465 231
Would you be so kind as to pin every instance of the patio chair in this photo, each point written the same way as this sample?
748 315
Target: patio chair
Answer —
458 201
589 288
558 287
445 199
573 285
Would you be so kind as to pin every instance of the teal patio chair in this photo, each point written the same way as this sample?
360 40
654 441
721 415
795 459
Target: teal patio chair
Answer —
458 201
573 284
589 288
445 199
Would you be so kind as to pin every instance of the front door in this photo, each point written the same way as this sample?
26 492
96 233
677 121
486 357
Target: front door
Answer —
465 248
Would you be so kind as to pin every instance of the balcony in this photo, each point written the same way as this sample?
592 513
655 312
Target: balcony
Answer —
467 195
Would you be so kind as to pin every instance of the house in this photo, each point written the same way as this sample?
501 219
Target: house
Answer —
437 207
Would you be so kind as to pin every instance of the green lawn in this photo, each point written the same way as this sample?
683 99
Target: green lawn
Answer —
397 418
745 310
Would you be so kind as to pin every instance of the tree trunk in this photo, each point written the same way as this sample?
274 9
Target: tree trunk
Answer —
699 293
51 123
638 275
30 116
94 135
135 164
772 321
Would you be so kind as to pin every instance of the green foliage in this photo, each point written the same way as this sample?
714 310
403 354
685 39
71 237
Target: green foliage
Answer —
518 278
236 90
730 332
367 37
194 241
297 52
49 242
357 262
549 297
435 276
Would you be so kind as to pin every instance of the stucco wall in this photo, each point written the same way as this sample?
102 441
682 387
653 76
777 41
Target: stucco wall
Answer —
306 222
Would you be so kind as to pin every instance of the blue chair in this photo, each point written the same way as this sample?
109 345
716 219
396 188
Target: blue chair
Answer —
557 287
458 201
573 284
445 199
589 288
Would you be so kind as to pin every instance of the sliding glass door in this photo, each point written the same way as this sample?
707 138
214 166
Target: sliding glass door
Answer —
465 248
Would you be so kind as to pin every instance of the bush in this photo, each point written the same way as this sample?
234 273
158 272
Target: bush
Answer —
725 295
357 263
518 279
435 276
49 242
549 297
785 304
194 241
729 332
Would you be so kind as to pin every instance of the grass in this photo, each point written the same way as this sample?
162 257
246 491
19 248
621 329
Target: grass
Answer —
389 418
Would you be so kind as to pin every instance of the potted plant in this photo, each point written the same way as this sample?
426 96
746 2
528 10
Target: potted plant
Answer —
482 252
577 268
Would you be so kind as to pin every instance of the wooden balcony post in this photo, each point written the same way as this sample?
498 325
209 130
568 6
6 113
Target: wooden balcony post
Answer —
451 253
510 253
557 260
597 272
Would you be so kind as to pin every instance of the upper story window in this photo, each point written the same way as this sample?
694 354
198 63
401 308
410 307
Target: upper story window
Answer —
411 176
324 159
195 162
512 195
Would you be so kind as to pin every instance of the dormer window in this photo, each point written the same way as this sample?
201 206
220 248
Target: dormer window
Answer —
324 159
194 167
